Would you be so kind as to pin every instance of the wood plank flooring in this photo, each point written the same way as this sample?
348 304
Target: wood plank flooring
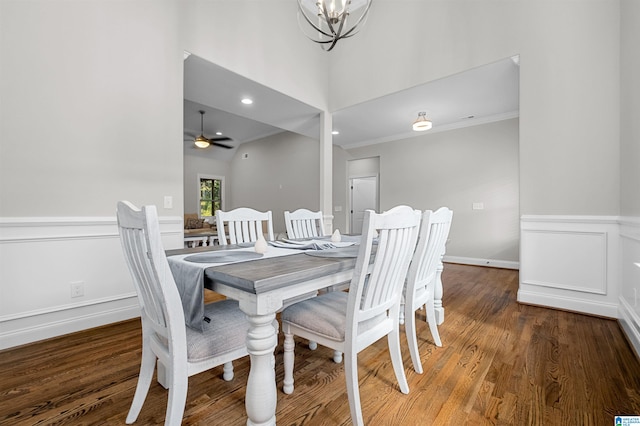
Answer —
502 363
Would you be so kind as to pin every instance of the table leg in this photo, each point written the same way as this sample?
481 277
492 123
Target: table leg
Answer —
261 398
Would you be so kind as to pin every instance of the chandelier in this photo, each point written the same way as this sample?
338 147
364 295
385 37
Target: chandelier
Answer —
332 20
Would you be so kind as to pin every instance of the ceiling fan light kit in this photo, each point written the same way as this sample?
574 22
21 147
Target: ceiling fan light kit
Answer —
203 142
327 21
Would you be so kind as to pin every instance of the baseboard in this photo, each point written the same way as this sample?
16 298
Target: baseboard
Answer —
494 263
630 324
566 303
60 322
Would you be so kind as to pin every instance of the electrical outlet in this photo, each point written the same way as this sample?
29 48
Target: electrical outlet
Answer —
77 289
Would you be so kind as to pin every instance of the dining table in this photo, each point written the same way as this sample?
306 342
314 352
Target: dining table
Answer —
263 285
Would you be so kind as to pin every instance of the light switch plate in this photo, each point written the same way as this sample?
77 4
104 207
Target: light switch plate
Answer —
168 202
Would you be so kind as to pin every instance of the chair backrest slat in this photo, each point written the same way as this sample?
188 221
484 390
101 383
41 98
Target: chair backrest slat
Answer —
243 225
161 308
430 249
378 291
303 223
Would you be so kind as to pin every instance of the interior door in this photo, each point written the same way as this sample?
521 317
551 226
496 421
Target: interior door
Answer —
364 196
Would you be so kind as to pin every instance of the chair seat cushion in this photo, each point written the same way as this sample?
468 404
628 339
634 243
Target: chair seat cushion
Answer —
227 331
325 315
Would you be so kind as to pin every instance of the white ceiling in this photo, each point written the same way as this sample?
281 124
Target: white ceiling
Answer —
480 95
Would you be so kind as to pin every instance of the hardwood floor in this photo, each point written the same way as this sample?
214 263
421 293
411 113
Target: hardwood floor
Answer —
501 363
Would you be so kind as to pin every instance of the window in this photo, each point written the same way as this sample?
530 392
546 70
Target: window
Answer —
210 194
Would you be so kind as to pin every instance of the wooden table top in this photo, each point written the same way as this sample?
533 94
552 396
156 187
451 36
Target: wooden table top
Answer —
262 275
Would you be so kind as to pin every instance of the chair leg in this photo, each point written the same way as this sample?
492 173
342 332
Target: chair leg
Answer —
393 339
177 397
433 324
147 366
353 390
227 371
412 339
288 356
162 377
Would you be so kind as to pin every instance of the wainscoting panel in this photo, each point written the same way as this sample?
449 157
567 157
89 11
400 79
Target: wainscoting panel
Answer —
41 259
570 262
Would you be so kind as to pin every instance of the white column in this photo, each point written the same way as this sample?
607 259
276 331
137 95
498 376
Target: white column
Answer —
326 170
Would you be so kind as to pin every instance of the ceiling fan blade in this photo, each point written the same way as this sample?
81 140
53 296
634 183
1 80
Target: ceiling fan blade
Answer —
221 138
221 145
190 135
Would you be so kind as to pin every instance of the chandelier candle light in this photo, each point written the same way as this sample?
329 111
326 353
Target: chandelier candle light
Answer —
332 20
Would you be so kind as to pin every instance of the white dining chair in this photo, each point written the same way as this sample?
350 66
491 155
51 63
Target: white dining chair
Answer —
243 225
423 275
180 351
350 322
304 223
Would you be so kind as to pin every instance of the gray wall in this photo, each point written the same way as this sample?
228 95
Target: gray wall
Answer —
456 169
630 110
281 172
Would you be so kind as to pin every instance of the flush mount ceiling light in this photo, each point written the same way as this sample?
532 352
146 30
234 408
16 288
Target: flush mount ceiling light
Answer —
422 123
247 101
331 20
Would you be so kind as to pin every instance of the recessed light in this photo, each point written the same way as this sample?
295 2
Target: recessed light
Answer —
247 101
219 133
335 132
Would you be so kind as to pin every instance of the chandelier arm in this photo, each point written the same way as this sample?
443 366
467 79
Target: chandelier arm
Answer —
328 20
315 27
342 21
355 26
333 35
333 43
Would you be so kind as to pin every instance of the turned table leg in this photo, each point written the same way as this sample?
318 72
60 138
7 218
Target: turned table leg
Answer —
261 396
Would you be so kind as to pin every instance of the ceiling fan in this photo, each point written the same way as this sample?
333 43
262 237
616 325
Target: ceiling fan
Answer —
203 142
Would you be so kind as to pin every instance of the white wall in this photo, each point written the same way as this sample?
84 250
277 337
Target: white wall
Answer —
95 92
261 41
279 173
570 72
91 106
457 168
90 113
